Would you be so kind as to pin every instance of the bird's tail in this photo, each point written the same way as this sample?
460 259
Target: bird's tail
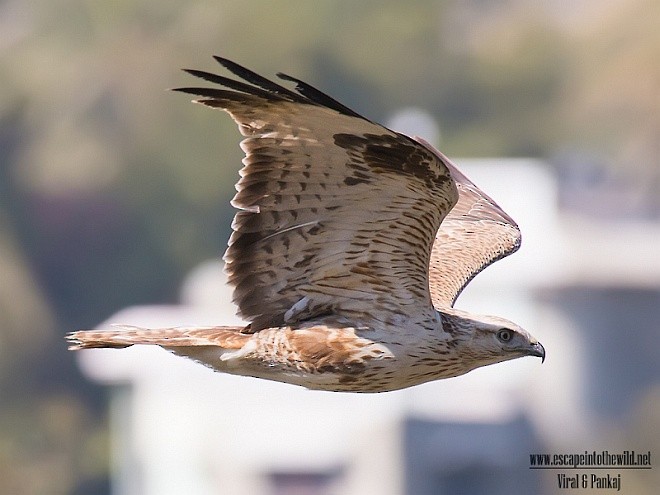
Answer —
125 336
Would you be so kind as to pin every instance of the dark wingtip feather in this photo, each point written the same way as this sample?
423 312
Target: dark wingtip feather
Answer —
257 85
232 84
258 80
207 92
319 97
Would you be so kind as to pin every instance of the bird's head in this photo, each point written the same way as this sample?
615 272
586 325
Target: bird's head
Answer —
485 340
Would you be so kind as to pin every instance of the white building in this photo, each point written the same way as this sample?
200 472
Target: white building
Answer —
181 428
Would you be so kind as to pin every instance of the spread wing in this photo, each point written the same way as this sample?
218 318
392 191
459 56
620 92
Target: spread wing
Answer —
475 234
338 214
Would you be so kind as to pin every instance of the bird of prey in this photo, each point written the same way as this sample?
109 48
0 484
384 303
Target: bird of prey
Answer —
350 248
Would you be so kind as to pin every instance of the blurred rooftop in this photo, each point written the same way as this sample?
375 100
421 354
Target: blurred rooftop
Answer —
229 432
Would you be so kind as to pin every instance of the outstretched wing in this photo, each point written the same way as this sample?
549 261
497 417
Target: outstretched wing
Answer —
475 234
338 213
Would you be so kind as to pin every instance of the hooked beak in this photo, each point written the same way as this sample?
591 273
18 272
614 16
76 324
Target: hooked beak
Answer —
537 350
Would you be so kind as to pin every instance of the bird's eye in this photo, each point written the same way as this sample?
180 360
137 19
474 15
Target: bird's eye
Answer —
504 335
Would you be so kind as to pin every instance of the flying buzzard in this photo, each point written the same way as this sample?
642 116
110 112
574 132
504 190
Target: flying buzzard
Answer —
350 248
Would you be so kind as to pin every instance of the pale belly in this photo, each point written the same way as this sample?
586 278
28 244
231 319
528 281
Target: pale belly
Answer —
370 368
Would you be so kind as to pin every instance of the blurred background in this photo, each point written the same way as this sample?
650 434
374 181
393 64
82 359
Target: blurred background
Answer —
114 190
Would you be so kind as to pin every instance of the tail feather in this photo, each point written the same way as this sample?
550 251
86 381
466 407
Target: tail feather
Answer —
126 336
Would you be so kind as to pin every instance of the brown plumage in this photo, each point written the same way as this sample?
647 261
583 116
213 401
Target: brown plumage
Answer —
352 244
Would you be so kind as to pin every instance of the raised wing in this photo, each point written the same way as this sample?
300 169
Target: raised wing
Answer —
475 234
338 213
